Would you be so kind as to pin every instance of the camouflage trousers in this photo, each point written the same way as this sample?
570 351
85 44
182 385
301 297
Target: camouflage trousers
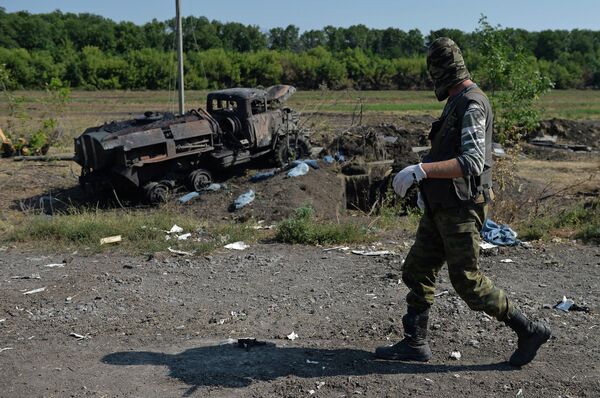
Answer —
452 235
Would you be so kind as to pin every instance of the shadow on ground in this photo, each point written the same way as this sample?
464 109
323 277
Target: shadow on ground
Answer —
234 367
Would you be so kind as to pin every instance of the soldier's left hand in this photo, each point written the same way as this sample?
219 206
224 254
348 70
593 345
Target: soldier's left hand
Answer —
407 177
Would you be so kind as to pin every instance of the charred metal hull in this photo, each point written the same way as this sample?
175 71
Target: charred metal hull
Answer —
154 153
157 146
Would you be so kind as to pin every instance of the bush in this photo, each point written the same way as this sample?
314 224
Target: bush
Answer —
581 221
301 228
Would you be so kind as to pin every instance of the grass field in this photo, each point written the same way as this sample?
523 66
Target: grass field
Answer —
90 108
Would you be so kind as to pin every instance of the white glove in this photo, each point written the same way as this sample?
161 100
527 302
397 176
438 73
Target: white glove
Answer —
420 201
406 177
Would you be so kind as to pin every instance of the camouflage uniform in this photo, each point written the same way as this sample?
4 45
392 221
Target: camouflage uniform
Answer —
456 208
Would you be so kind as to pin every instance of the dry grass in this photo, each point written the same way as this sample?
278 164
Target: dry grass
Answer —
90 108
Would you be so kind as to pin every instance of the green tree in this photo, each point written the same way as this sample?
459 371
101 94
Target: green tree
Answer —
515 80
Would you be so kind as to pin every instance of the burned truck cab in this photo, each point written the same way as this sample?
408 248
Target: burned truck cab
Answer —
254 117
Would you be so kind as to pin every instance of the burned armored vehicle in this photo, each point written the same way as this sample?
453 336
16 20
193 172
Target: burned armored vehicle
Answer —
156 153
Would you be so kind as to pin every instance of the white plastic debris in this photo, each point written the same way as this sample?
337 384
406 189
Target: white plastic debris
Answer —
180 252
175 229
565 304
34 291
32 276
343 248
312 362
311 392
78 336
292 336
184 236
519 393
507 260
55 265
237 246
259 227
110 239
455 355
442 293
486 246
372 253
229 341
6 349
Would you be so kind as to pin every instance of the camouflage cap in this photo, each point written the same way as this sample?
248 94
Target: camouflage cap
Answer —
446 66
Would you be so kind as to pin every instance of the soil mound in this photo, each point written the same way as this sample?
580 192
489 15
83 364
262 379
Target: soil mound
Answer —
579 132
378 142
278 197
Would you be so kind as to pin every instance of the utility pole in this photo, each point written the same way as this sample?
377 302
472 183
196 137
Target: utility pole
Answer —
180 57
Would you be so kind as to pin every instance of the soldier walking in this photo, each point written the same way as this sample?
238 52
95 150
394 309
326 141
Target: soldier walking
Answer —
455 181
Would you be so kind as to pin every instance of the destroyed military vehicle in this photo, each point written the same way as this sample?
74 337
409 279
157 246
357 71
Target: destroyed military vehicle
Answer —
156 153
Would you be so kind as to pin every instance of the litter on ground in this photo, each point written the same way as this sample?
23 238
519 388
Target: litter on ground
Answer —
506 260
262 176
568 305
34 291
343 248
184 236
455 355
180 252
244 199
292 336
310 162
55 265
188 196
487 246
372 253
498 234
78 336
236 246
110 239
299 170
175 229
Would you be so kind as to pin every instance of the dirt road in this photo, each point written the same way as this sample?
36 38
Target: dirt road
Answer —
158 327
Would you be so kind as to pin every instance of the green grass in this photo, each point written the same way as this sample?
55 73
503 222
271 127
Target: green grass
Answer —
141 231
582 221
303 229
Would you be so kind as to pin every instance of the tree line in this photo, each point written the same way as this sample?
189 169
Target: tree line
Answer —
93 52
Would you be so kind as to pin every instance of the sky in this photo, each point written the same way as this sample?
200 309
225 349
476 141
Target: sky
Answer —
429 15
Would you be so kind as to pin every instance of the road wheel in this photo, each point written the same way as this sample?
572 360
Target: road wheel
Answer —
156 193
199 179
290 148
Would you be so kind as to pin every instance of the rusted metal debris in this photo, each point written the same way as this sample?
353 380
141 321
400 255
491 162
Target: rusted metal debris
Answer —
154 153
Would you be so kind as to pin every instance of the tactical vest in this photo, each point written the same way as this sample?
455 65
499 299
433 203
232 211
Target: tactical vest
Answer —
445 137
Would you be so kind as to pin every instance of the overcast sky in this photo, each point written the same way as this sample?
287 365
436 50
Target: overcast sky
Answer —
315 14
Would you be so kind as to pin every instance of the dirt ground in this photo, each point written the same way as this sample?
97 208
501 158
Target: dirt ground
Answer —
112 325
159 327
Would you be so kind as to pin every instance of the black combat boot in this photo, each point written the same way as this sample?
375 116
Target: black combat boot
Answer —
531 337
414 346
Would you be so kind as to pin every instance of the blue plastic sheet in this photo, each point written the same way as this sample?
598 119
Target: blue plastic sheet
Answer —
339 157
300 170
214 187
328 159
311 162
262 176
244 199
499 234
188 196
